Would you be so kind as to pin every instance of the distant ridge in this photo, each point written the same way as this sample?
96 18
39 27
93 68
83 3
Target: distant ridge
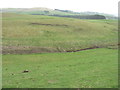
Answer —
55 12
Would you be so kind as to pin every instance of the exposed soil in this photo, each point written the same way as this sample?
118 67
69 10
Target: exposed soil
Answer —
84 49
30 50
25 50
48 24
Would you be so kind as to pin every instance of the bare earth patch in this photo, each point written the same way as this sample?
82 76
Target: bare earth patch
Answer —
48 24
29 50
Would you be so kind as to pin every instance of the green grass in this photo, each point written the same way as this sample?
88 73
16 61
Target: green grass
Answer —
95 68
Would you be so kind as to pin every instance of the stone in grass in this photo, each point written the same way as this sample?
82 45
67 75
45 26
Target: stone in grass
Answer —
25 71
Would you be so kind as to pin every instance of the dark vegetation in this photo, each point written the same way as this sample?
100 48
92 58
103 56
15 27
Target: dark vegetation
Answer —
78 16
83 16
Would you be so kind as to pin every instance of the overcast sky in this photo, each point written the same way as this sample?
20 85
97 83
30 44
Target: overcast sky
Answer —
103 6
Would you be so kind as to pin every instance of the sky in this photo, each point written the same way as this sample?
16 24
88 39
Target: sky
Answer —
102 6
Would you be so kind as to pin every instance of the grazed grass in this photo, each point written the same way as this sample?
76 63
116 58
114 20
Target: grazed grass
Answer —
95 68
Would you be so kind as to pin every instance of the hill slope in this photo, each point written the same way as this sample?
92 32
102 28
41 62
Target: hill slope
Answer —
35 34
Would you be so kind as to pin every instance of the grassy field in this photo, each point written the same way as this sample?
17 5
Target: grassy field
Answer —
86 69
42 52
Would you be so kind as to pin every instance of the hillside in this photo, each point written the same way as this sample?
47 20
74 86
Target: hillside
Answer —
57 12
39 33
